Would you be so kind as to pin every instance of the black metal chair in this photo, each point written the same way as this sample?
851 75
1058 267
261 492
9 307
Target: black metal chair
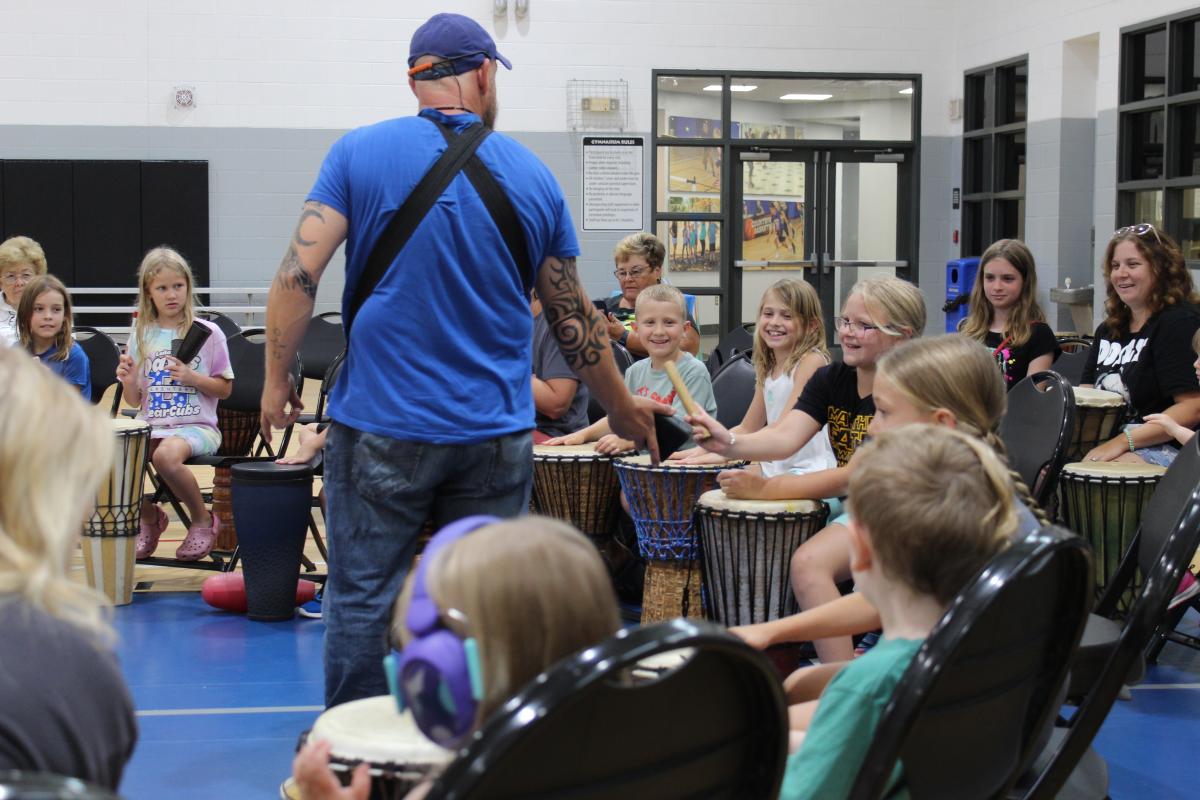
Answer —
222 321
328 379
624 361
323 342
713 727
1111 653
1036 430
733 389
20 785
103 356
738 340
979 697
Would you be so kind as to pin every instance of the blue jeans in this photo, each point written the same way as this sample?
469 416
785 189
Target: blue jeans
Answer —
380 491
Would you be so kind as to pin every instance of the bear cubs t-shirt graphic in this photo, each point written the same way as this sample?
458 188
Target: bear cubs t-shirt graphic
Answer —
165 398
846 432
1110 360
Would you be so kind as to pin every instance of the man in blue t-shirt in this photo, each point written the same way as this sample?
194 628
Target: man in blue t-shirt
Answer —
433 408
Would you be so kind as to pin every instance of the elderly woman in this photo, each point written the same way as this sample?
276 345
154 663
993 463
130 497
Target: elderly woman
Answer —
639 259
1143 348
21 260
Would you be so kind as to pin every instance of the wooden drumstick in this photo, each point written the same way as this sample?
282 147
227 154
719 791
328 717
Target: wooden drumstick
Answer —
685 396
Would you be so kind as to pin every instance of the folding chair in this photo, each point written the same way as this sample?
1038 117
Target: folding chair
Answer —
738 340
1036 431
733 389
323 342
222 321
45 786
1112 654
714 726
103 356
979 697
624 361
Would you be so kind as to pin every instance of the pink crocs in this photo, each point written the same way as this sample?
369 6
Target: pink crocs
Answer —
147 538
199 541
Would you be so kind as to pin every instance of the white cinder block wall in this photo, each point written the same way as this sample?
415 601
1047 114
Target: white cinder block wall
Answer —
277 81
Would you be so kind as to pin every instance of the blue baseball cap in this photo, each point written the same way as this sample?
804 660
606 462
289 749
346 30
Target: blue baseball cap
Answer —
454 38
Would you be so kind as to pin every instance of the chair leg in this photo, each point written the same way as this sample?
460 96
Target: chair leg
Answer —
1166 632
316 534
163 492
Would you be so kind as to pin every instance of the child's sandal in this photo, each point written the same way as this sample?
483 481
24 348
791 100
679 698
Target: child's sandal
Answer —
199 541
148 533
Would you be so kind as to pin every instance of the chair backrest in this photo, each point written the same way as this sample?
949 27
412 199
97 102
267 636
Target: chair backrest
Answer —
1070 365
715 726
323 341
1036 430
45 786
222 321
980 694
624 360
733 388
1172 520
103 356
738 340
327 382
247 356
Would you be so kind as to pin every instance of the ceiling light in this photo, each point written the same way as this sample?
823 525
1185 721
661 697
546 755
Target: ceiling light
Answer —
906 91
802 96
736 87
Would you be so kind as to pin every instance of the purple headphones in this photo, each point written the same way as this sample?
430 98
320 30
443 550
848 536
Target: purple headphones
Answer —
438 674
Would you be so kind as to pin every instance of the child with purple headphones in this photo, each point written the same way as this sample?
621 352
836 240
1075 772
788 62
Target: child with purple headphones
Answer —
460 629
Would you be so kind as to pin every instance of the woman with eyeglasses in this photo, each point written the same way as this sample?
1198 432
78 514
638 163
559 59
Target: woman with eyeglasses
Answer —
1143 347
21 260
639 260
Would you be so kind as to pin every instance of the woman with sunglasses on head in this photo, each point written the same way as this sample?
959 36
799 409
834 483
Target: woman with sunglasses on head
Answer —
1143 347
639 260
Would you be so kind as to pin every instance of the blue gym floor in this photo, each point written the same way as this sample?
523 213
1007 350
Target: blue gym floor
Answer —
221 701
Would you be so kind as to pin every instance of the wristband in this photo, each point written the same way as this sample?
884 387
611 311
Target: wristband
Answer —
732 439
624 340
1129 438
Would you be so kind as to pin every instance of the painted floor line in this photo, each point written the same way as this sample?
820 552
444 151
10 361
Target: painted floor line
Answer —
190 712
1168 686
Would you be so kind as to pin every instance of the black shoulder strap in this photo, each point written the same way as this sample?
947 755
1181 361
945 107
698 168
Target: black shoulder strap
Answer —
502 212
404 222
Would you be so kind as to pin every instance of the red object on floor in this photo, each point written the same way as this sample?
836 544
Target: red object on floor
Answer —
227 592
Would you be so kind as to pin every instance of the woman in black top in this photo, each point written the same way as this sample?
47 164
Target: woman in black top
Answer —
1142 349
1005 315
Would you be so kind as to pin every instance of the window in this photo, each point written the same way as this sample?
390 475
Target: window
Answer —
1158 153
994 154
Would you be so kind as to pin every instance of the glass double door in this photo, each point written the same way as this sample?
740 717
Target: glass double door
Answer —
832 217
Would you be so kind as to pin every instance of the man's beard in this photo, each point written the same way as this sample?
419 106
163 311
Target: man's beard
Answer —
490 110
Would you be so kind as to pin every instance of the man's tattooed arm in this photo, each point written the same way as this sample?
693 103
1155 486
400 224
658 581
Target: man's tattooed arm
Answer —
577 326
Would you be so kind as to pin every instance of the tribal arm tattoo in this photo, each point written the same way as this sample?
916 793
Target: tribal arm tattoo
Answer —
292 274
577 326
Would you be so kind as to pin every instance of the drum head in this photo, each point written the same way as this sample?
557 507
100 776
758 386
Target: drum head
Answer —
1097 398
587 450
643 460
716 499
372 730
1113 469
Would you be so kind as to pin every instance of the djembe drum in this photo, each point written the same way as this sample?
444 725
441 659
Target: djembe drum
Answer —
238 429
374 732
576 484
1103 501
1097 414
662 502
110 535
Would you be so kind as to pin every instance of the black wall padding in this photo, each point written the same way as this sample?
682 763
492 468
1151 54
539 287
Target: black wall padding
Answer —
108 234
175 210
38 203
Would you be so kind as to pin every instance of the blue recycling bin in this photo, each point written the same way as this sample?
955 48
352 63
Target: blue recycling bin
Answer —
960 279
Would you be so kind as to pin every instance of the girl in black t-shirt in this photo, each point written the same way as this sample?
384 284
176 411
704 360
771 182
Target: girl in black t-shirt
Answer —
1142 349
1005 315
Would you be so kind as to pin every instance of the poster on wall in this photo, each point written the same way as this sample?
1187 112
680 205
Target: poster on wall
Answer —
612 183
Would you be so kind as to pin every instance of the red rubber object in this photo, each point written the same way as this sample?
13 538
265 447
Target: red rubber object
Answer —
227 591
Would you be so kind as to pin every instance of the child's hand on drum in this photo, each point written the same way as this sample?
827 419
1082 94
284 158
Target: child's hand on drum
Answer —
708 433
571 438
754 635
696 455
742 484
1174 429
1109 451
610 444
317 781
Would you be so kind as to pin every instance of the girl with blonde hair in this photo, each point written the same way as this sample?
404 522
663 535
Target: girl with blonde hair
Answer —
1005 314
477 582
178 400
44 322
789 347
950 381
66 707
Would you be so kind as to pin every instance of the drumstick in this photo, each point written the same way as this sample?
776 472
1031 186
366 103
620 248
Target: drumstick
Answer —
685 396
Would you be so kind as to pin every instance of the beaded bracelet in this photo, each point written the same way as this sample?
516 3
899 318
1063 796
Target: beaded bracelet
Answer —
1129 438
